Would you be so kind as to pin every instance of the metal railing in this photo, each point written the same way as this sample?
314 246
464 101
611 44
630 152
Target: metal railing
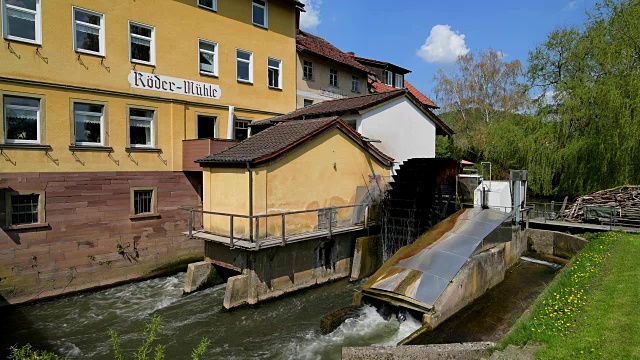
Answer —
328 220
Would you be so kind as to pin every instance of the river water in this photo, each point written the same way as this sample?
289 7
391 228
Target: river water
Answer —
287 328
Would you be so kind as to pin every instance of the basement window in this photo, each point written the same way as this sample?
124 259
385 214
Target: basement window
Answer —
88 32
24 209
208 4
22 21
143 201
308 102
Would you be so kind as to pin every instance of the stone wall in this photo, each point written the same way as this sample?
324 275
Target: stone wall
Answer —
271 272
89 238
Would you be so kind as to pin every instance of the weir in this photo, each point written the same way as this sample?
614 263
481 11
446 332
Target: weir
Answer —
417 275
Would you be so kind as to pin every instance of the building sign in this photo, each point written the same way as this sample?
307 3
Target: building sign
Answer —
155 82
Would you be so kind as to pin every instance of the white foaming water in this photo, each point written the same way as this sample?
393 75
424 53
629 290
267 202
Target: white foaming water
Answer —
369 328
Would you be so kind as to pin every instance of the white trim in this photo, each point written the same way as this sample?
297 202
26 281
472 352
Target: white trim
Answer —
102 132
22 107
152 127
101 31
399 76
214 5
337 82
38 23
152 45
266 13
215 57
355 80
250 61
279 68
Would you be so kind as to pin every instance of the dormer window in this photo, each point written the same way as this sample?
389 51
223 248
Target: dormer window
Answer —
388 78
399 81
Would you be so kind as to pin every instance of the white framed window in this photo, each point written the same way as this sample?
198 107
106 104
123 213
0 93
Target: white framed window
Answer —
388 78
260 13
241 130
22 21
142 43
399 81
307 70
333 77
208 57
209 4
88 122
141 128
274 69
355 84
244 66
88 31
21 120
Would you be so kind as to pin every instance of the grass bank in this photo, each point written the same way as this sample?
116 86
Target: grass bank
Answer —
591 309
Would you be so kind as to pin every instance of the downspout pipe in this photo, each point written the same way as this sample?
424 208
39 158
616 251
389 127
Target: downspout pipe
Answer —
250 201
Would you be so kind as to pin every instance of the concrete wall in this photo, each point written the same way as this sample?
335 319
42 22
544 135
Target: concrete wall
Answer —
554 243
318 88
405 131
367 257
480 273
460 351
305 178
276 271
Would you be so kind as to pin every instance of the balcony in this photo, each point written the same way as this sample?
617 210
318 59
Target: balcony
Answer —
198 148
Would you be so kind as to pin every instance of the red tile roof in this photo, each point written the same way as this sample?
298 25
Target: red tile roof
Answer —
379 87
283 137
316 45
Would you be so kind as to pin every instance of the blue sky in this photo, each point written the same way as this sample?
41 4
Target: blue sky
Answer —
383 30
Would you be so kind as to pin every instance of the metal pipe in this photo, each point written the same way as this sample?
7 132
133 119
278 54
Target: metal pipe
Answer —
231 231
284 231
190 223
250 202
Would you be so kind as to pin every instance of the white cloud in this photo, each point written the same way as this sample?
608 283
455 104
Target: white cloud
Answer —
443 45
572 5
310 19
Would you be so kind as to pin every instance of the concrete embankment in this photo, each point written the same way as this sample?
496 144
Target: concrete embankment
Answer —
463 351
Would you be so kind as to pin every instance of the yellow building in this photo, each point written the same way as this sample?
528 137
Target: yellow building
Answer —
102 105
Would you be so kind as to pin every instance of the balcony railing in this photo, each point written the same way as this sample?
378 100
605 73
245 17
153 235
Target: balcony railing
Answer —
280 227
198 148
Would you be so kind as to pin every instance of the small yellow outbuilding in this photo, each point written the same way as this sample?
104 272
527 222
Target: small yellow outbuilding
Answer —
290 166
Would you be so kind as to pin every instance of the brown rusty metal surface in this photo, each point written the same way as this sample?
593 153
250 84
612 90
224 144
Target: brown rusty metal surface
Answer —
419 273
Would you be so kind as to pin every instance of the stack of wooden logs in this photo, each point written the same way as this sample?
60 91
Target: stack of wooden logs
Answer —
625 198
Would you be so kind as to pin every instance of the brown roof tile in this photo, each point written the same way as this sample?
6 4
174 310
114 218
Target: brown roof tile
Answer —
331 107
277 140
319 46
379 87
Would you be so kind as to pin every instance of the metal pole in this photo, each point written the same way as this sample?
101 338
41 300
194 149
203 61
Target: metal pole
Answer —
190 223
284 231
250 202
330 221
366 217
258 232
231 230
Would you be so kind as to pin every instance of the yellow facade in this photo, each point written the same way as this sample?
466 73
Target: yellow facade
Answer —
53 72
324 172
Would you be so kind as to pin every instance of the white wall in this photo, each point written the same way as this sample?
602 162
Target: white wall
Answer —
405 131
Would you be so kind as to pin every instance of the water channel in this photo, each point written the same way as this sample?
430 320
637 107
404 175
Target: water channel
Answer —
288 328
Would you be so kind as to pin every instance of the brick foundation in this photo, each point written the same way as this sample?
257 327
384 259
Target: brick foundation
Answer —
90 239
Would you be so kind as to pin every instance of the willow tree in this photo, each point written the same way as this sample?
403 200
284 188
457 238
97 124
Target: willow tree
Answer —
481 97
592 128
